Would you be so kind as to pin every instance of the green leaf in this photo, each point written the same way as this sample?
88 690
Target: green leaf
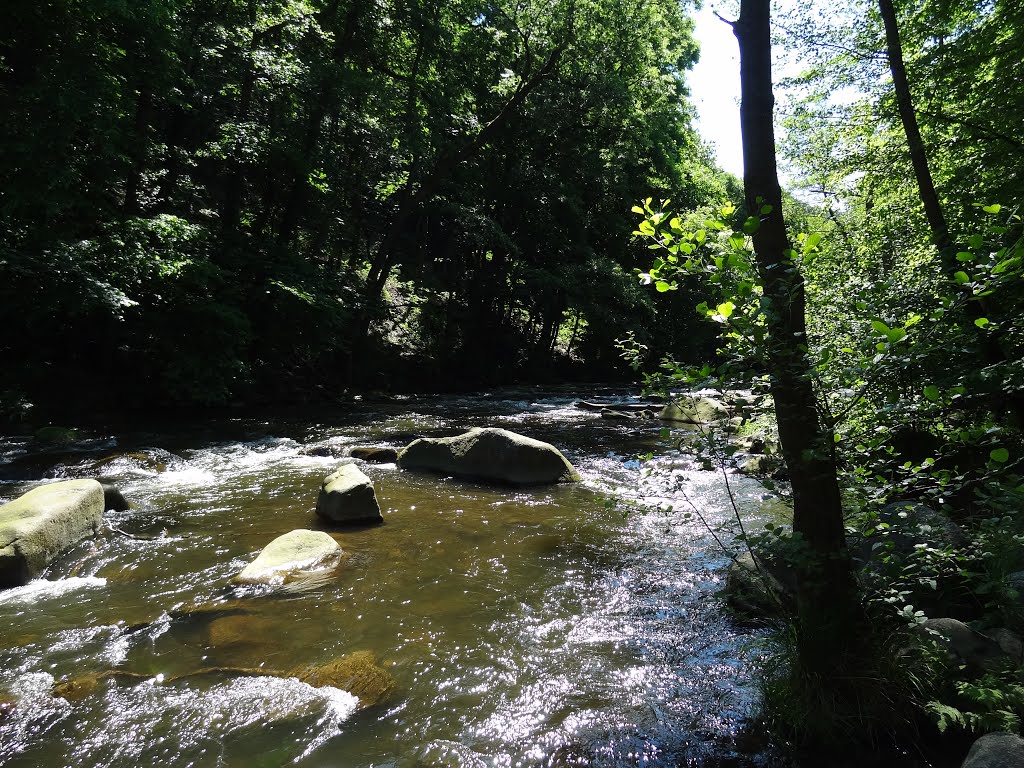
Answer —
961 277
700 236
812 241
994 208
725 309
662 286
880 327
932 393
965 256
999 455
736 240
637 209
751 225
766 209
896 334
982 322
975 241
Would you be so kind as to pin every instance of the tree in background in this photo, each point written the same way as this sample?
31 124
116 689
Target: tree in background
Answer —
211 202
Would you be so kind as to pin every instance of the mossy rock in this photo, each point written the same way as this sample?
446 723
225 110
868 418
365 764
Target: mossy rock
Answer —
40 525
293 555
242 629
54 435
359 673
490 455
696 409
78 688
347 496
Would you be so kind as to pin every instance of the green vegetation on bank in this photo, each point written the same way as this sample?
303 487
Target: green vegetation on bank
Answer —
274 200
897 304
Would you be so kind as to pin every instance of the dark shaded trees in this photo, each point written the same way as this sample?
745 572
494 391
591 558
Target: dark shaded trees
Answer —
285 176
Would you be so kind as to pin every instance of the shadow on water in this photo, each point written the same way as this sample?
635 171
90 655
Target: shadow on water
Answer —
522 627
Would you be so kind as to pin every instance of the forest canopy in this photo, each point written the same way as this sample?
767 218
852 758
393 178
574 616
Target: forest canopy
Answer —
259 200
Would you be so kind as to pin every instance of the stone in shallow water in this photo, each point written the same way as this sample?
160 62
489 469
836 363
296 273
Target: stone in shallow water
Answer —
375 455
347 496
38 526
359 673
490 454
294 554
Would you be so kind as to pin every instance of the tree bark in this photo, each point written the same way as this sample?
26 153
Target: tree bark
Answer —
918 157
826 599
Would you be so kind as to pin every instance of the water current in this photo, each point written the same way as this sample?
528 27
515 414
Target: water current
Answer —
572 625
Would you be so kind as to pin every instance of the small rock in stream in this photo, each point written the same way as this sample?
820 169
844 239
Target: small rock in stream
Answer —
347 496
294 554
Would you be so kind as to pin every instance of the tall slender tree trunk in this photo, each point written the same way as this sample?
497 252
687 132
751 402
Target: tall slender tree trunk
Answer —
826 598
905 103
988 342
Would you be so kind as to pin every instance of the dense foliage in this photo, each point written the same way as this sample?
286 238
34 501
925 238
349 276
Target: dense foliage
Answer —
257 198
911 272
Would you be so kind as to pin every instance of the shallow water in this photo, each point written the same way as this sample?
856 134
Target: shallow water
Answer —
539 627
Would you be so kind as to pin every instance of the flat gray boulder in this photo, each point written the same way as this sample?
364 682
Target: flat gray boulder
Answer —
490 454
43 523
297 553
347 496
996 750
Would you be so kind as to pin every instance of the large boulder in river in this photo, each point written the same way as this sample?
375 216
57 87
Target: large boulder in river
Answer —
996 750
295 553
38 526
347 496
695 409
490 454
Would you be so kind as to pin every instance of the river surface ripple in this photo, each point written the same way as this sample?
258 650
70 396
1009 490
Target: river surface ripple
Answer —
561 626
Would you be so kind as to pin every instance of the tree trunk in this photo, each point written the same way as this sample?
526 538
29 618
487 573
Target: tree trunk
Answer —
825 596
925 185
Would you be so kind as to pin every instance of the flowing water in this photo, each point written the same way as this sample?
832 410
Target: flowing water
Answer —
523 627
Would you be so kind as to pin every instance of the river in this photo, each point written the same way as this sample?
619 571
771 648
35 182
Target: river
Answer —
576 625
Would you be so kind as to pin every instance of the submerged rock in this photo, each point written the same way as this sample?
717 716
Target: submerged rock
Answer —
241 629
41 524
375 455
359 673
147 460
78 688
323 450
347 496
296 553
490 454
451 754
996 750
611 415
